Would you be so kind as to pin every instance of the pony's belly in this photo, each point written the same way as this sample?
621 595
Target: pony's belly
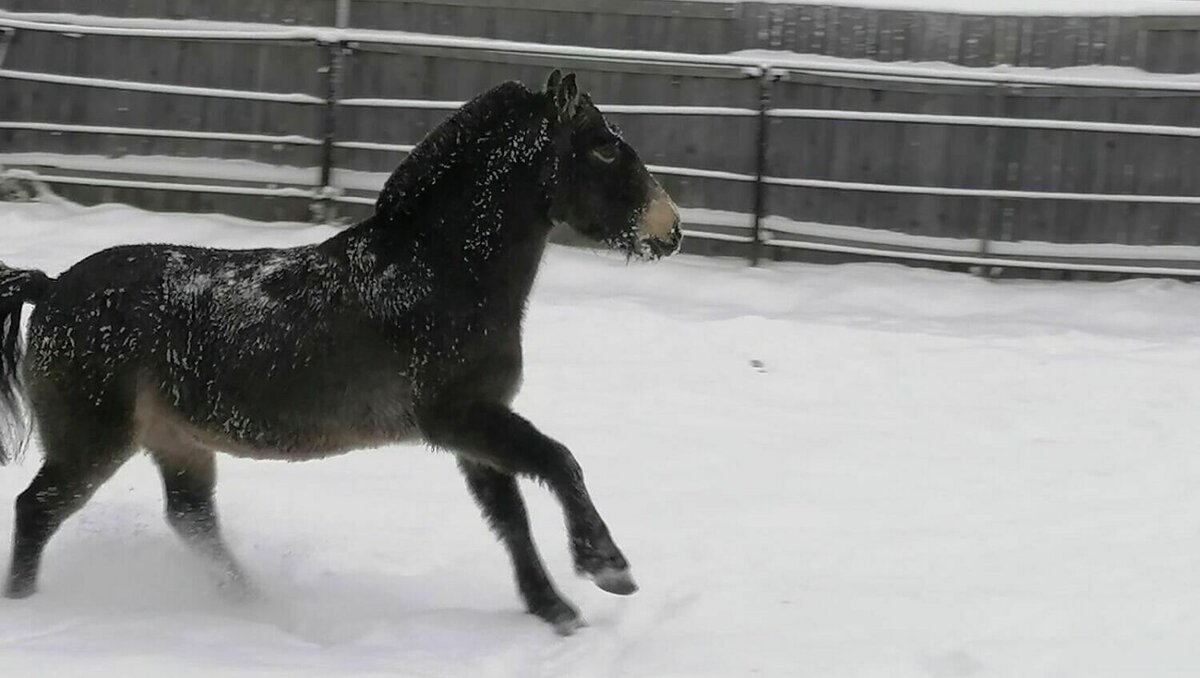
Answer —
296 438
315 447
315 443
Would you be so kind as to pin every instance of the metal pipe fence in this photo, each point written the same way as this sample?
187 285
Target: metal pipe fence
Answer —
339 44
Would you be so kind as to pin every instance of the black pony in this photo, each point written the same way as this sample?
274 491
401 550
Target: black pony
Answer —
405 326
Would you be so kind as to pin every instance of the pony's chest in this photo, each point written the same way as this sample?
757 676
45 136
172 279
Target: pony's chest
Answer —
445 339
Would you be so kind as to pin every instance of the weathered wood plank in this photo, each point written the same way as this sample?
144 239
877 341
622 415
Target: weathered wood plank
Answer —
851 151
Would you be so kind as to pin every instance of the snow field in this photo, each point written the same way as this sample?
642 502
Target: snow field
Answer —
923 474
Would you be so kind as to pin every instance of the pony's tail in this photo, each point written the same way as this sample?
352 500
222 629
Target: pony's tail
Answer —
17 287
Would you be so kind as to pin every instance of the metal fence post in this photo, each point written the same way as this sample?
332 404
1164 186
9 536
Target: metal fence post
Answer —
990 208
6 36
766 77
323 207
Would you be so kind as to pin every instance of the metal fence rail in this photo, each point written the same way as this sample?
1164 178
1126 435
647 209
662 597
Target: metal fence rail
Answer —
292 139
767 68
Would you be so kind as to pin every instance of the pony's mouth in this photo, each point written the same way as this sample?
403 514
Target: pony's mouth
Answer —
651 248
637 245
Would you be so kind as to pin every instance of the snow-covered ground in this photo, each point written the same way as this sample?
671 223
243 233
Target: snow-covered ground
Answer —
860 470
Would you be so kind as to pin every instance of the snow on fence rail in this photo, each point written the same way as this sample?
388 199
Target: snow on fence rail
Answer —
767 67
291 139
983 192
160 88
985 121
635 109
983 260
754 62
275 192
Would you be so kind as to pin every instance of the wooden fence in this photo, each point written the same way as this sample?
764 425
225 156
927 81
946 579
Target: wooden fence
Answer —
1153 43
903 185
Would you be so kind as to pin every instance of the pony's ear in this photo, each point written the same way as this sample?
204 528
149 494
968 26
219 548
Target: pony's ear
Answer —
553 81
564 94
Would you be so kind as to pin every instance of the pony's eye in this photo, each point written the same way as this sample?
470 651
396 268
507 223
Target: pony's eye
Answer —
605 154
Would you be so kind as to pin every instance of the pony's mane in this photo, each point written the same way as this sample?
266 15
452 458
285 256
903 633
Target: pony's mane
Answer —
448 142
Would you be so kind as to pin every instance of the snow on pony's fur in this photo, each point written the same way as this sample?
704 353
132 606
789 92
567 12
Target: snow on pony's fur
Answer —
404 326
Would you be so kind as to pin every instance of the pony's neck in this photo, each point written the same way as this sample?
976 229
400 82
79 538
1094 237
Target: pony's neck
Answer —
471 202
491 121
487 212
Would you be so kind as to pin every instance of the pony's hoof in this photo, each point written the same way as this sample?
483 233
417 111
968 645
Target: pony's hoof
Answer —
562 616
618 582
568 627
17 591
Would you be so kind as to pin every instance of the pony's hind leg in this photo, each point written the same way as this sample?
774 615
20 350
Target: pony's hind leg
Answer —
493 435
500 499
189 474
81 454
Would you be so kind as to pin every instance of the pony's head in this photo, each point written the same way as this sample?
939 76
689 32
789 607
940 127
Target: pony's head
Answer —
602 189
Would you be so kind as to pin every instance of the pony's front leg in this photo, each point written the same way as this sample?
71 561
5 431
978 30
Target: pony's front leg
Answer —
493 435
500 500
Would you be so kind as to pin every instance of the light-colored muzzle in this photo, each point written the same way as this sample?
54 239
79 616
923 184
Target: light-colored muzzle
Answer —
658 229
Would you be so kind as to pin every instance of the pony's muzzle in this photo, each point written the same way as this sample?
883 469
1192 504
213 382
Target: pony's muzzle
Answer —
658 229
